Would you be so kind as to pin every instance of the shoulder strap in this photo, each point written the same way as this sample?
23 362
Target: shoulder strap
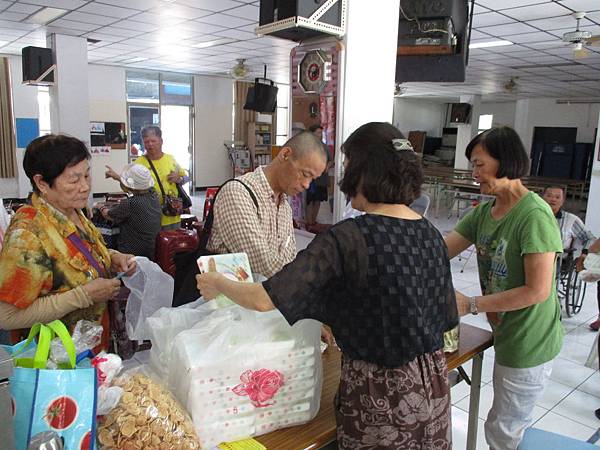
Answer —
156 174
208 223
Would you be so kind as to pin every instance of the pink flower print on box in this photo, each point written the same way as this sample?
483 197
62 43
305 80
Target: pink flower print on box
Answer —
260 386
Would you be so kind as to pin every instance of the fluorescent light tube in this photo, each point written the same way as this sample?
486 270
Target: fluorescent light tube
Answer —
490 44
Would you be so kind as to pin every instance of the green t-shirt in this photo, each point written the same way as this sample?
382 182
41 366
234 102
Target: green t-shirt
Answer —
530 336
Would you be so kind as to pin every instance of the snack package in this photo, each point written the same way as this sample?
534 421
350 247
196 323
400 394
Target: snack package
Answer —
234 266
147 417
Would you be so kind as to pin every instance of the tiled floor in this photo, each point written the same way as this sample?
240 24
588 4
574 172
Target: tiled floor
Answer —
573 393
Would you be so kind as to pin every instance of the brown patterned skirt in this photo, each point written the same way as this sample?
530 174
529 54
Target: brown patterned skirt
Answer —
402 408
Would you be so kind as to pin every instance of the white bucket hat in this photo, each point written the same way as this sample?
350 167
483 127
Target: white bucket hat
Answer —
138 177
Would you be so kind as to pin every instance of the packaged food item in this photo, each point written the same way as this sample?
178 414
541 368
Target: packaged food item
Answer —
147 417
451 339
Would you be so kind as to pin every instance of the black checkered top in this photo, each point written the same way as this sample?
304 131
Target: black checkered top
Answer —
383 285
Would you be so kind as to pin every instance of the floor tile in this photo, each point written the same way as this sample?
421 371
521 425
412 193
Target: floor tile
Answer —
564 426
591 386
485 404
579 407
575 350
459 391
569 373
460 420
554 393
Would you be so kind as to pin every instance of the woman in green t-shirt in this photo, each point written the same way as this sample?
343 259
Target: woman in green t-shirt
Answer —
517 238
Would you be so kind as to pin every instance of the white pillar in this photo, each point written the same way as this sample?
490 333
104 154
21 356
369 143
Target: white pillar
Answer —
467 131
69 97
366 90
592 216
521 123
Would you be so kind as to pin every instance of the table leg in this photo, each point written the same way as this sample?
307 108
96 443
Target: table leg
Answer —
474 401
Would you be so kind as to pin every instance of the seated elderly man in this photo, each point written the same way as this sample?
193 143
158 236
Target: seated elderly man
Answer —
575 235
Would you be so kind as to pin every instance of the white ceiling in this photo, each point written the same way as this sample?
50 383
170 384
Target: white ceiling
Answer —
164 35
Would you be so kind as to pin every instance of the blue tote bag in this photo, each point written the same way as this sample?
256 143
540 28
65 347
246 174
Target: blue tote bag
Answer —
61 400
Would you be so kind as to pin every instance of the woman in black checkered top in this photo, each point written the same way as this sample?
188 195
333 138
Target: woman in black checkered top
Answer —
382 282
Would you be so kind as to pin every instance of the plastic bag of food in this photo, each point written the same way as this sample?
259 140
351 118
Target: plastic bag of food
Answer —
165 324
86 335
147 417
107 365
242 373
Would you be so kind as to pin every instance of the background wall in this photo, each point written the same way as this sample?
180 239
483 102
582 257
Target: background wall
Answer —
213 124
504 113
419 115
544 112
25 105
108 103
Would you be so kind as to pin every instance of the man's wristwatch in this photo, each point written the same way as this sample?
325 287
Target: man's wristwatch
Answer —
584 251
473 305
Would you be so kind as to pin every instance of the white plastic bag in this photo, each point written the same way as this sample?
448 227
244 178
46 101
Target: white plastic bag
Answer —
86 336
242 373
591 272
151 289
164 325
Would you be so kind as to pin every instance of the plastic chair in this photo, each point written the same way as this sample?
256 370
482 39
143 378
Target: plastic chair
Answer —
421 204
535 439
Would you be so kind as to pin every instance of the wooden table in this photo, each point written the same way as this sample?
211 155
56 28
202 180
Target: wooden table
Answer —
321 430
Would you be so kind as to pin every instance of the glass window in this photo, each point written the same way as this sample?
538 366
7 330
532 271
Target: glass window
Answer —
485 122
176 89
142 87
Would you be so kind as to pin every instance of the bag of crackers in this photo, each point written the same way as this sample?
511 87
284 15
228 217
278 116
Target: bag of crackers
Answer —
148 417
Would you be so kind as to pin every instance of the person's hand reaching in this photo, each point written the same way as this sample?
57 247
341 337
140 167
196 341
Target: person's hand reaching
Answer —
207 284
102 289
110 173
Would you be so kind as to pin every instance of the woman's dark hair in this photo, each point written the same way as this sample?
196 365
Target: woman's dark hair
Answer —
50 155
376 169
505 146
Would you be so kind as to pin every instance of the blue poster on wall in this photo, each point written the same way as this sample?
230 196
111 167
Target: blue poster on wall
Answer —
27 131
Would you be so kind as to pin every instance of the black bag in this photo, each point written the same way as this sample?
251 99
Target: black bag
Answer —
186 268
172 206
185 198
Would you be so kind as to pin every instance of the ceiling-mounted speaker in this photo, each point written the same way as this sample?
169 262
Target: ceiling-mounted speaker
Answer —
433 41
38 66
298 20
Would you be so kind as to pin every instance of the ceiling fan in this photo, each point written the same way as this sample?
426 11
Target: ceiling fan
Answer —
240 70
579 39
511 85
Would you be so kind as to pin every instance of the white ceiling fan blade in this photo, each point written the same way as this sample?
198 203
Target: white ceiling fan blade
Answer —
594 41
581 53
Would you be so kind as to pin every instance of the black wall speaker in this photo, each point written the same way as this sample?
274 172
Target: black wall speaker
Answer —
36 61
432 67
460 113
262 96
276 10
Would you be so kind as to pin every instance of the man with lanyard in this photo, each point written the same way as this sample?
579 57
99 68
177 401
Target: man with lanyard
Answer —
169 172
